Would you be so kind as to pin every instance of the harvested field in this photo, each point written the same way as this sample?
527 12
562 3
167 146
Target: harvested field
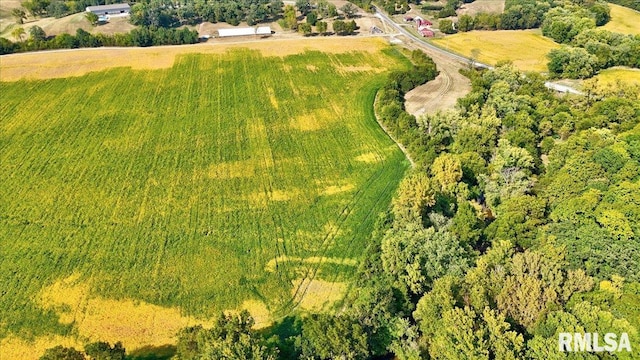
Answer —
138 201
623 75
65 63
527 49
623 20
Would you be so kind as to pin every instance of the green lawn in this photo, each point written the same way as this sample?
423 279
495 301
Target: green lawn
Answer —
225 179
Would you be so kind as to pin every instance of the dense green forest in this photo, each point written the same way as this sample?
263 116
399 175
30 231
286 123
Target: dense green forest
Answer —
521 220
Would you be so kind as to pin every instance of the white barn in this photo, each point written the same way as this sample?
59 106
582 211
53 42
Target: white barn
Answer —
111 9
260 31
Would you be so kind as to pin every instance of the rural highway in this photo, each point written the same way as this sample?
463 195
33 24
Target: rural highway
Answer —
430 49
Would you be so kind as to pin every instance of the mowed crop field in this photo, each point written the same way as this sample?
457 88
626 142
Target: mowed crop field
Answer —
527 49
617 74
136 202
623 20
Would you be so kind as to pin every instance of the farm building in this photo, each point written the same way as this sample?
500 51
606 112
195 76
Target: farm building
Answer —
263 31
426 33
260 31
111 9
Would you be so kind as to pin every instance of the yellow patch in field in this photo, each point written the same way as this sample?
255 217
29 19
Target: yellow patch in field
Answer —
135 323
312 68
271 265
231 170
307 122
272 98
258 310
337 189
63 295
260 199
624 20
15 348
625 76
317 295
370 158
527 49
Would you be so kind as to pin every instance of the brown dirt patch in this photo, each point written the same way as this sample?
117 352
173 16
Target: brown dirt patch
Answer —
441 93
77 62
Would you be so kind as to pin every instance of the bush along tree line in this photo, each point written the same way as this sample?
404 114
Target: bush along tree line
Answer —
520 220
591 50
143 36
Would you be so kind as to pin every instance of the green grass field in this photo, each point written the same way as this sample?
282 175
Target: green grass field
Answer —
225 180
623 20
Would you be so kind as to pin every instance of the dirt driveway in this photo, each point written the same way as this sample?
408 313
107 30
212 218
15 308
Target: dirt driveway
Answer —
442 93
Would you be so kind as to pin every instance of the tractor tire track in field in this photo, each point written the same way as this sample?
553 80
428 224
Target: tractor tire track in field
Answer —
442 93
312 271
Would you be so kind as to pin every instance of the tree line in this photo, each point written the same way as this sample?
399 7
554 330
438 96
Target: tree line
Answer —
143 36
233 12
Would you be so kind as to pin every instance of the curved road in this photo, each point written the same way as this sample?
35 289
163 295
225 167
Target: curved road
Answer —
431 49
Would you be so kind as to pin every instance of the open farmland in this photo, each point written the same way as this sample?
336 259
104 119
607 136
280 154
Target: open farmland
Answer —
618 74
135 202
623 20
527 49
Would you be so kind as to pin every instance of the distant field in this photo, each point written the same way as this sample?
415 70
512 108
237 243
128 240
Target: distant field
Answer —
65 63
627 76
482 6
69 25
623 20
136 202
527 49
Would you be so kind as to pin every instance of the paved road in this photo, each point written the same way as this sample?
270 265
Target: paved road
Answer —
432 48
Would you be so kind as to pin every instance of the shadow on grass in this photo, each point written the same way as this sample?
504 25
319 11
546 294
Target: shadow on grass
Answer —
163 352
